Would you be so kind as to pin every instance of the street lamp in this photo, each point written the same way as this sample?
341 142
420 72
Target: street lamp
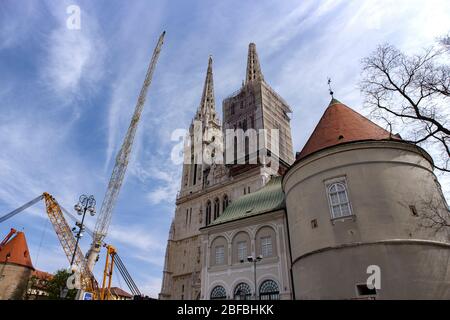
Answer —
254 260
84 205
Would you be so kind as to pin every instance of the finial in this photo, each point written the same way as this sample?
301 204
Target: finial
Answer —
329 88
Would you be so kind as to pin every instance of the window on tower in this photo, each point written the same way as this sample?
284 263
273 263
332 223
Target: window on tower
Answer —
216 208
339 200
208 212
225 203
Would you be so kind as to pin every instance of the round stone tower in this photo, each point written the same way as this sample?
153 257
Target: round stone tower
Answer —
15 268
361 204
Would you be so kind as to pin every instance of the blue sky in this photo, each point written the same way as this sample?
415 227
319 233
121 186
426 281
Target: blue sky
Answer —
66 96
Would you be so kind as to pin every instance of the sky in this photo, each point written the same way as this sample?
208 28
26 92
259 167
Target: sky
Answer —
67 96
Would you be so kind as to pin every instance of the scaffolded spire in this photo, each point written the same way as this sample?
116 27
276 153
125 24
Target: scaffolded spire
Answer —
253 67
207 104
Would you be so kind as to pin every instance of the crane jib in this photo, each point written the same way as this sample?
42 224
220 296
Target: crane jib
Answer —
118 173
20 209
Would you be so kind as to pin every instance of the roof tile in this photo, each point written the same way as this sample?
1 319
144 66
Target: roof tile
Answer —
16 251
340 124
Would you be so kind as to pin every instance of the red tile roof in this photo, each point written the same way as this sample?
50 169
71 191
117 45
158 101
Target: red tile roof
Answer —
42 275
119 292
16 251
340 124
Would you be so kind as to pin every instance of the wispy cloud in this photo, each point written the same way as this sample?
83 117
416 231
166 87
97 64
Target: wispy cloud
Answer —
97 72
137 237
16 22
74 56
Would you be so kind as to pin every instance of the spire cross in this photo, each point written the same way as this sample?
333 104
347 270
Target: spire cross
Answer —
329 88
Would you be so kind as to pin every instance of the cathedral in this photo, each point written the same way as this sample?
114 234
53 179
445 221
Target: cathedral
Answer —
345 218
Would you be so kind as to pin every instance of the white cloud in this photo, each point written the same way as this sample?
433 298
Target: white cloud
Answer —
300 45
136 236
167 188
74 58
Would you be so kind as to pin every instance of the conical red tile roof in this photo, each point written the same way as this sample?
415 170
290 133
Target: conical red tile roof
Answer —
340 124
16 251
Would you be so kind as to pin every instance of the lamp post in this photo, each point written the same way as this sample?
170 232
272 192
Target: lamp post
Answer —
84 205
254 260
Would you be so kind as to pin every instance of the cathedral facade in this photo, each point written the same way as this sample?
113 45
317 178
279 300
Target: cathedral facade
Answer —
209 187
254 222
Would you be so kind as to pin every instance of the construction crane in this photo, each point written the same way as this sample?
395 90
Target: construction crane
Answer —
65 237
113 261
85 265
118 173
68 242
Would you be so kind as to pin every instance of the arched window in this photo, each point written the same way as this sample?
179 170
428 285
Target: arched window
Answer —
339 203
216 208
242 292
235 146
247 148
218 293
224 203
268 290
208 212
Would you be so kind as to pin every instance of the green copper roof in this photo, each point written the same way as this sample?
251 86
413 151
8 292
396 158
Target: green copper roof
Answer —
268 198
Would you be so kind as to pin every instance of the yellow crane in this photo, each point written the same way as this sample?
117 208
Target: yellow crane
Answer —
105 292
86 265
67 240
65 237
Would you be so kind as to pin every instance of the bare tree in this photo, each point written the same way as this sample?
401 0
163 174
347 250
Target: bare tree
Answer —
434 214
412 94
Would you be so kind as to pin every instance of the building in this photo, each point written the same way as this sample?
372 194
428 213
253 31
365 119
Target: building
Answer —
119 294
353 209
37 285
358 199
252 226
15 268
208 187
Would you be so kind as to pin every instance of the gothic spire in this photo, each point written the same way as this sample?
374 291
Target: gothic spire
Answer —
253 67
207 104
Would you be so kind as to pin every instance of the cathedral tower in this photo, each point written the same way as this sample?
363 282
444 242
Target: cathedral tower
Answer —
257 106
208 184
204 143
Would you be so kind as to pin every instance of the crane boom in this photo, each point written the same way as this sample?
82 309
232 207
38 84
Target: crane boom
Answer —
65 237
117 176
22 208
68 242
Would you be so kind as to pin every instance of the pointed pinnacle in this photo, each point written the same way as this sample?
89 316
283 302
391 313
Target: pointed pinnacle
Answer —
207 103
253 67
